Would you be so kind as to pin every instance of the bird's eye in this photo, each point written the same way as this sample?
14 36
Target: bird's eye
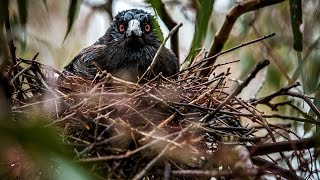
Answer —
147 28
121 28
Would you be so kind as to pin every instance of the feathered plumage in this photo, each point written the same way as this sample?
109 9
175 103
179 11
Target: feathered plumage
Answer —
126 50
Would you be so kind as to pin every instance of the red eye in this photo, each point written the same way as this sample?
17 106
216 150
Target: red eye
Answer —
147 28
121 28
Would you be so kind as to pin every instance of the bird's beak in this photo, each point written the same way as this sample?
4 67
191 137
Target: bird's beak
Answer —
134 28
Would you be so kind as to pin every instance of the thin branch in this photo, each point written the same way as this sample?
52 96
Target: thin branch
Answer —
160 155
268 98
259 66
275 147
210 58
274 169
307 100
159 50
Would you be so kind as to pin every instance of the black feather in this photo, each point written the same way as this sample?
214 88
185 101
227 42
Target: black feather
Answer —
125 56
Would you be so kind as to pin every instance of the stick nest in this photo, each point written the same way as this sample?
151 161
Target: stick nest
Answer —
166 127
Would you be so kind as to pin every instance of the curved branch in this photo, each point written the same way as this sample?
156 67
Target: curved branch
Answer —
222 35
274 147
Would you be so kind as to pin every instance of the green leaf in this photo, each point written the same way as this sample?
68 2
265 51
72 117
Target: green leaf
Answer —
45 5
307 117
202 20
44 147
70 170
308 71
246 66
158 29
23 13
72 14
300 66
296 22
306 58
316 102
23 16
33 136
3 12
156 5
307 127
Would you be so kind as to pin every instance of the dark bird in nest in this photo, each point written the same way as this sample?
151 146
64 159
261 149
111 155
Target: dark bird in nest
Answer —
126 50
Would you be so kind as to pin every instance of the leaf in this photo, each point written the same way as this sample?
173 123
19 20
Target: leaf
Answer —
296 21
202 20
300 67
72 14
158 29
34 136
316 14
307 127
43 144
311 72
3 12
156 5
308 118
23 13
311 48
23 16
45 5
70 170
316 102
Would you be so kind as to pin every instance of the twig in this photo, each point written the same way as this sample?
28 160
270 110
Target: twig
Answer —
127 154
267 98
27 61
270 132
167 171
268 148
259 66
20 73
273 56
226 51
159 50
213 173
307 100
151 163
272 167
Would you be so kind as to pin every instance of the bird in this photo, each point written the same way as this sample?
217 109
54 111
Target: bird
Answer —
126 50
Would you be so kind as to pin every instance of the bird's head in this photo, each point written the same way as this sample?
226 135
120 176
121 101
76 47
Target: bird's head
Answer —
132 27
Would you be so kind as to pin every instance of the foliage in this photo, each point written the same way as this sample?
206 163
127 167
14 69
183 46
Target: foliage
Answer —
31 139
72 14
204 12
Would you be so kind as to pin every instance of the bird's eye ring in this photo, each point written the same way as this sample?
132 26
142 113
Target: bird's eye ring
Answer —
121 28
147 28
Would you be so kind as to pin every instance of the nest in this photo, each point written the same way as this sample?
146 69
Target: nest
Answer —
185 127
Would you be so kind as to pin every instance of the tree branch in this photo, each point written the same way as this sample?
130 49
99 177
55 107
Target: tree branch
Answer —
223 34
275 147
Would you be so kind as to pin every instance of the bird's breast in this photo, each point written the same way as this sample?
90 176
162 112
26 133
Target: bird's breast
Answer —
128 63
